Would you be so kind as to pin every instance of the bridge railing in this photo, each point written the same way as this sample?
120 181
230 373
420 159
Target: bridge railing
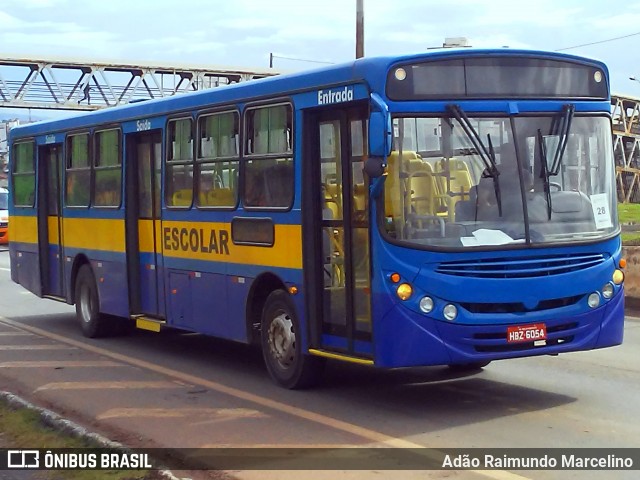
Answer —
77 85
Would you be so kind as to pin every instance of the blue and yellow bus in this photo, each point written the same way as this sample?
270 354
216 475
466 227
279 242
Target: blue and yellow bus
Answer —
448 208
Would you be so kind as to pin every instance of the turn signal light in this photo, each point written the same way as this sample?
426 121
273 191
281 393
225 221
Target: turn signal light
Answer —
623 263
404 291
394 277
618 277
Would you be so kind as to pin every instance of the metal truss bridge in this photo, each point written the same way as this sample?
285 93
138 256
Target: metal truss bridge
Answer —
626 146
64 84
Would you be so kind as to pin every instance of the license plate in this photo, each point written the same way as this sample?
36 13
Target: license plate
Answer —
526 333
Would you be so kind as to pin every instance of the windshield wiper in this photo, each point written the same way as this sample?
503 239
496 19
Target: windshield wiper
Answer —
545 172
565 126
496 183
488 156
560 127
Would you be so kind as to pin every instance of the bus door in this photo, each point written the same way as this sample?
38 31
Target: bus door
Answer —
339 233
144 246
50 220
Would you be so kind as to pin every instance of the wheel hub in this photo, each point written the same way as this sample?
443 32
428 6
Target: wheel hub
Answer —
282 340
85 303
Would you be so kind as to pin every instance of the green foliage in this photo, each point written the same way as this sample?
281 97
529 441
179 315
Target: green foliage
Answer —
22 428
629 213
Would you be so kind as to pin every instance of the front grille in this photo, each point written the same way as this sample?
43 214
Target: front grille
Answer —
517 307
526 267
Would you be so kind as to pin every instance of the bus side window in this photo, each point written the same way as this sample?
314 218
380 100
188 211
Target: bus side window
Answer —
268 165
179 163
280 185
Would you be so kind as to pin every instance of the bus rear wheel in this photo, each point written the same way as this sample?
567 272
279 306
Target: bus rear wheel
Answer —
281 345
93 324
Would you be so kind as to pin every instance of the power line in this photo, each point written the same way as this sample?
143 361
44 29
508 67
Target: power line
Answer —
302 60
601 41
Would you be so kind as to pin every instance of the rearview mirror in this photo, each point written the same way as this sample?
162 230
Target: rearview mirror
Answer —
379 128
374 166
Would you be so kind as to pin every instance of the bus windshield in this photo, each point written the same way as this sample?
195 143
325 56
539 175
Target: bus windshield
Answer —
461 181
4 201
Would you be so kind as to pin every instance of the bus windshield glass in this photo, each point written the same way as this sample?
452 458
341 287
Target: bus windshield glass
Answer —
462 181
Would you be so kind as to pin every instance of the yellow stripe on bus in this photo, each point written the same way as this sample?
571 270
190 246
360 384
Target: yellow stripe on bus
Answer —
24 229
52 223
212 241
145 235
94 234
186 240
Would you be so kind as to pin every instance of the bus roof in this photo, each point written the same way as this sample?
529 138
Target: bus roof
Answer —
370 69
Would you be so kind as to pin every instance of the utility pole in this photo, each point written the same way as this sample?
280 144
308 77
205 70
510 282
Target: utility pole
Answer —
359 29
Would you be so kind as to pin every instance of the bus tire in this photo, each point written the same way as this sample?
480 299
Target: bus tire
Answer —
281 348
93 324
469 367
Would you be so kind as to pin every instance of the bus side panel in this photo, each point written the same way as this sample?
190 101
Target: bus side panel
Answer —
198 302
237 291
101 241
54 253
180 306
209 298
24 254
111 278
25 266
149 292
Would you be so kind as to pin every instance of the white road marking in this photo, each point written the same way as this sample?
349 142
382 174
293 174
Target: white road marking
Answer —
61 364
37 347
117 385
226 413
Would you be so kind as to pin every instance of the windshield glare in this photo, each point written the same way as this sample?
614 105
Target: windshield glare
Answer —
460 182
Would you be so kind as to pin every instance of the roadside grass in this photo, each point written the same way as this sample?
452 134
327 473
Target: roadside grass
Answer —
629 213
631 239
22 428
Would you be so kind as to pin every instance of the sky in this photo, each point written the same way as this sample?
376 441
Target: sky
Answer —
243 33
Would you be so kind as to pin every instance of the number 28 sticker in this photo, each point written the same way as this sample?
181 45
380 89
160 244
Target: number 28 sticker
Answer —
601 213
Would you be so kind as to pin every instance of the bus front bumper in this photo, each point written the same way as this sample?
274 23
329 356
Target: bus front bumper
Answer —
404 338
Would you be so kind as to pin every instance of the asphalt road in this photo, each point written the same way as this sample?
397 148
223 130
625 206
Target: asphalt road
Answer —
185 390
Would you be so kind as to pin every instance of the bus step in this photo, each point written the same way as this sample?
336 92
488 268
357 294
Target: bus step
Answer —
148 323
55 297
340 356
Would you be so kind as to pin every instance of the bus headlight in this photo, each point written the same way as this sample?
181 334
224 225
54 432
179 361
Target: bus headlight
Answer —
450 312
618 277
607 291
426 304
404 291
594 300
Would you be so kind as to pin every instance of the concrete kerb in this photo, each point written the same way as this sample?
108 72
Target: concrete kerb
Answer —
63 425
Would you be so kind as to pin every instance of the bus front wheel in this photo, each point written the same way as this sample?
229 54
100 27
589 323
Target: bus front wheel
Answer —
281 345
88 304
